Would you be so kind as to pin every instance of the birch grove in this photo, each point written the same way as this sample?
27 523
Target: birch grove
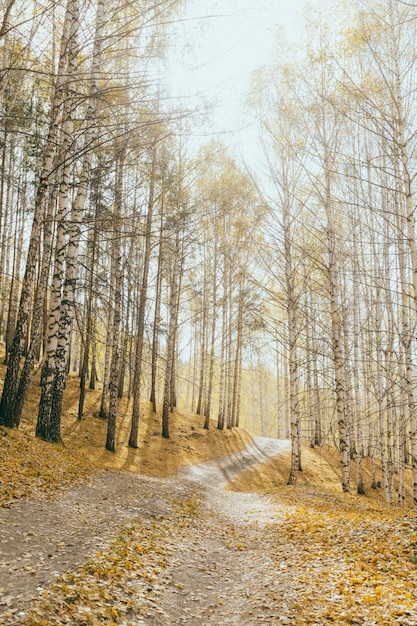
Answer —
278 296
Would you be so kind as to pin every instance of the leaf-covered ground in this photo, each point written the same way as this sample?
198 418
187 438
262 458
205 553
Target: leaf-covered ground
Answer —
238 559
84 440
347 561
115 548
182 552
29 466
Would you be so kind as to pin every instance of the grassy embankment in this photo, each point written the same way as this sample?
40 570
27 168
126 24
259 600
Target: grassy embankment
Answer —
28 465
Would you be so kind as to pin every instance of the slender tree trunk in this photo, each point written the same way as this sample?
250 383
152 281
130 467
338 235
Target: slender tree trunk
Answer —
356 385
38 317
381 396
203 350
134 430
223 371
309 400
207 410
93 367
406 339
157 314
124 343
237 360
14 289
173 389
292 349
229 351
337 354
3 221
173 300
89 318
103 413
48 424
67 304
116 302
239 388
340 391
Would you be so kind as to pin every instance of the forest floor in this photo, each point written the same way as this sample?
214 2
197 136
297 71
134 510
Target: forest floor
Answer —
168 535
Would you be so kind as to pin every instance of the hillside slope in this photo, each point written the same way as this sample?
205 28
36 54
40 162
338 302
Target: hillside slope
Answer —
28 465
321 475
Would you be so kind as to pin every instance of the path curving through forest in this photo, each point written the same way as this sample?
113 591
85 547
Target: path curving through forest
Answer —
218 472
223 572
209 578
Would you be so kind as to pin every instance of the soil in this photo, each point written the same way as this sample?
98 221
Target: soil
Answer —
217 569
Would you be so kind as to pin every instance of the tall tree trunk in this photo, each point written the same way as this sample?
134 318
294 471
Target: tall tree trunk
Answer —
93 367
173 301
67 305
103 412
48 424
124 341
38 316
157 313
3 221
337 354
14 288
223 357
134 429
229 351
203 348
207 409
292 348
89 326
173 389
237 360
116 302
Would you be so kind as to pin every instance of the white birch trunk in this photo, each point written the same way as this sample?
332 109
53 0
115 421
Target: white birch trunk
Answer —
173 302
339 369
134 430
11 382
67 305
292 350
116 303
45 427
207 411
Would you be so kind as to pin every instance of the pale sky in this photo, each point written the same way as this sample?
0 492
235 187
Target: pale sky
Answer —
231 38
218 45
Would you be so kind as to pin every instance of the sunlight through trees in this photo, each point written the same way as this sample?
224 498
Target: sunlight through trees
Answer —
279 295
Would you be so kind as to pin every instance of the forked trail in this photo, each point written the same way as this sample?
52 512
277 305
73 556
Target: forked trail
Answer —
131 550
208 575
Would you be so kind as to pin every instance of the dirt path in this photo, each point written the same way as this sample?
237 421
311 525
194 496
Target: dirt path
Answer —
215 571
216 473
222 567
223 573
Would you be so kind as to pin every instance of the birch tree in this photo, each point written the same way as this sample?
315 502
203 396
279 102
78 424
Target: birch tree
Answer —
66 61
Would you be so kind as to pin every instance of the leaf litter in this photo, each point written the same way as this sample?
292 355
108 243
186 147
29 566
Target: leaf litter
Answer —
164 551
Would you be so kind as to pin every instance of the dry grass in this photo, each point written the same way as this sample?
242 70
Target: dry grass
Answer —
27 464
321 474
155 456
